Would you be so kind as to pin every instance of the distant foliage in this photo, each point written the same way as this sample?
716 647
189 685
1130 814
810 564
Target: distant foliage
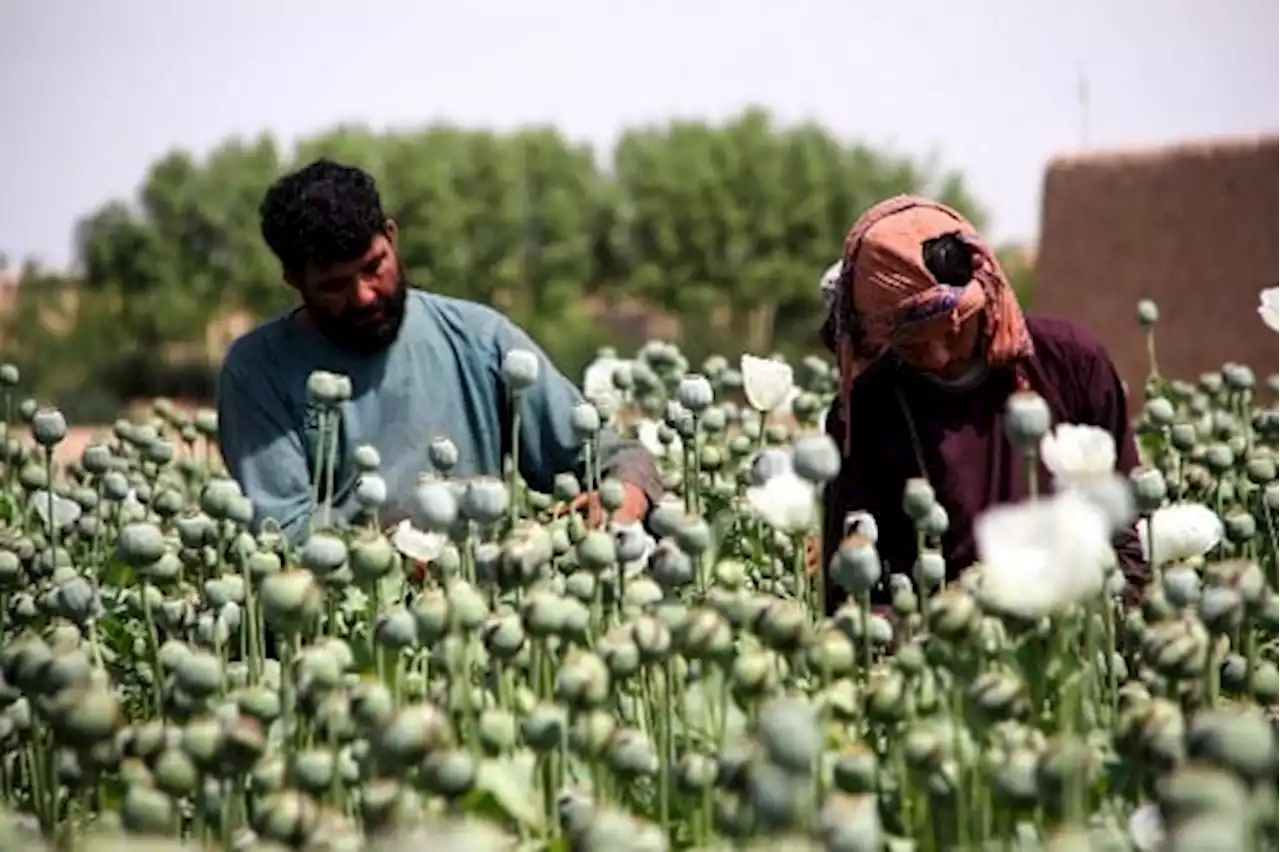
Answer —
723 228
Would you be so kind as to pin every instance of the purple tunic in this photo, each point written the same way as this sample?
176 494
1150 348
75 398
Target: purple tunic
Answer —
969 461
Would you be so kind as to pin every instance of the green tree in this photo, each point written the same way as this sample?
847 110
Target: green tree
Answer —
724 227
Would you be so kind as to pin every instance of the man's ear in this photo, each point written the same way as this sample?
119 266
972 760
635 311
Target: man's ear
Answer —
293 279
392 231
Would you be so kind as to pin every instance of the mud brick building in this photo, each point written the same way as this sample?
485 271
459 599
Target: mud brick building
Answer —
1193 227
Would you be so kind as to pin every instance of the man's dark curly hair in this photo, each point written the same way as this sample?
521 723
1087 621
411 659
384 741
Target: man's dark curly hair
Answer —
321 214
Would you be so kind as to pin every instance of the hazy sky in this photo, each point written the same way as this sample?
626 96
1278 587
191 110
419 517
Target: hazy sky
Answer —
92 91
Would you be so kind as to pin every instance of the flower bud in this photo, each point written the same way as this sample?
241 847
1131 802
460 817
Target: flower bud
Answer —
323 553
519 369
816 458
48 427
918 498
485 500
140 544
788 730
855 566
1027 419
291 599
695 393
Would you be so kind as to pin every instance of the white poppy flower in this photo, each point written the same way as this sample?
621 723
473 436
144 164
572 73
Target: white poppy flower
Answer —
1044 555
786 502
1178 532
767 383
597 381
1078 455
1269 307
416 545
65 512
1146 828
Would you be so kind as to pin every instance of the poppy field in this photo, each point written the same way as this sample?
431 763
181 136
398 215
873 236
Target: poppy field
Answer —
493 675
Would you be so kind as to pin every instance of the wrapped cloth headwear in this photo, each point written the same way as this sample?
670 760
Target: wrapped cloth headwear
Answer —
886 290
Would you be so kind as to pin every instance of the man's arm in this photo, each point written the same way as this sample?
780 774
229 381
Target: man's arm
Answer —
548 443
264 453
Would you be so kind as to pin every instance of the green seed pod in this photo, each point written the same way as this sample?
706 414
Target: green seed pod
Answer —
1236 739
86 715
372 705
652 638
324 553
1221 609
66 669
450 773
783 625
140 544
630 753
411 733
583 681
467 606
1194 790
885 696
313 770
199 674
788 730
620 653
497 730
706 635
291 600
754 674
286 817
831 654
954 614
175 773
730 574
504 636
202 740
641 594
148 811
543 729
576 622
590 732
596 551
147 740
1014 780
431 611
372 557
542 614
260 702
245 744
856 769
1239 527
999 695
581 585
1266 683
850 824
396 630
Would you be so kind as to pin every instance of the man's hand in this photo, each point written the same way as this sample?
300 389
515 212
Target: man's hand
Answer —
635 506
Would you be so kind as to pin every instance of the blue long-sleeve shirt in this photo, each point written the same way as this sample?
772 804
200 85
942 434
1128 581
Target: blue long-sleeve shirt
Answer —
440 378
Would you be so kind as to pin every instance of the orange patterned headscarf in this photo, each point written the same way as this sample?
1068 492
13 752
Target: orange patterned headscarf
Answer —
885 290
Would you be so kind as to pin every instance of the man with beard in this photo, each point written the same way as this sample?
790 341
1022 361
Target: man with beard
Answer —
421 366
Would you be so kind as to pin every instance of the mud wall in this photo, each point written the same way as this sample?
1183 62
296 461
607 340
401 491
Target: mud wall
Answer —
1193 227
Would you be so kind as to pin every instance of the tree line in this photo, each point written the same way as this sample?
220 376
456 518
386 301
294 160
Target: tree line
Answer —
721 229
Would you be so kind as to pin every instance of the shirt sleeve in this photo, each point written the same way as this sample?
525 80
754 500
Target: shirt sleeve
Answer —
548 443
264 453
1106 406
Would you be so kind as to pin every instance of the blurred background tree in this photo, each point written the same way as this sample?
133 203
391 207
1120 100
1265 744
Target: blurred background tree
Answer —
712 234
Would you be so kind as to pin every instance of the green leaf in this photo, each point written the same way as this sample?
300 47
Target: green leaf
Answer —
505 791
